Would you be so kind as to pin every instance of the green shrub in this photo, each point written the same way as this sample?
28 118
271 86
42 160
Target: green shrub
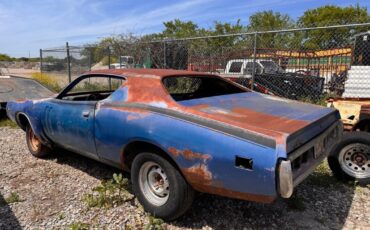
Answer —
154 224
13 198
109 193
78 226
7 122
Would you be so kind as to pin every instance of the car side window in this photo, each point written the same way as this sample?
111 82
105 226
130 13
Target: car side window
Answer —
249 68
93 88
236 67
97 84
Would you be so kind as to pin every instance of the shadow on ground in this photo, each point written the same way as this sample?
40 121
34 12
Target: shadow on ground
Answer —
321 202
7 217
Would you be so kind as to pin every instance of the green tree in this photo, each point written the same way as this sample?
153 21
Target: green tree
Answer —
268 21
332 15
180 29
225 28
5 57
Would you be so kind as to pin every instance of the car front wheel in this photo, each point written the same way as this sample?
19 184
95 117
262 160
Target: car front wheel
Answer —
34 145
350 158
160 187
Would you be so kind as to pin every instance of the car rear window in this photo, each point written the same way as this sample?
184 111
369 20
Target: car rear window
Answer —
193 87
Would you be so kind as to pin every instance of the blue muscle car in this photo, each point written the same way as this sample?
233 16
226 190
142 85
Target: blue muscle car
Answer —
178 132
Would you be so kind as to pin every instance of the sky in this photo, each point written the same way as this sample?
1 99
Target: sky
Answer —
29 25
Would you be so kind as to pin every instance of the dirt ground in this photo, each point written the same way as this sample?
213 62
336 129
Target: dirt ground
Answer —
47 194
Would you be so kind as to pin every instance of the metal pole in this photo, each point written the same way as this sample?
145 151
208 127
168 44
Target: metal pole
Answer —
108 57
41 61
90 53
164 55
68 64
254 60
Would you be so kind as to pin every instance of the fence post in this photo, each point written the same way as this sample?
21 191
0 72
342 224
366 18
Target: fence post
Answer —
68 64
41 61
164 55
254 59
109 57
90 54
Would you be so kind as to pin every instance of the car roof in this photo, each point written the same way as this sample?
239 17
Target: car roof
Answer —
154 73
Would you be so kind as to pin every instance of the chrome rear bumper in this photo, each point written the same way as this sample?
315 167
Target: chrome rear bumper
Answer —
303 161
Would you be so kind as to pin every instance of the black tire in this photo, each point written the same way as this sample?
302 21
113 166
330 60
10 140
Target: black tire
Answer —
338 167
180 193
37 150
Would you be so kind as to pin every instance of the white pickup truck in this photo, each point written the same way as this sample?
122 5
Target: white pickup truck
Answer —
242 68
272 79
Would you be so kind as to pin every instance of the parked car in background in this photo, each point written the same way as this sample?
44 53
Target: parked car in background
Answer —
243 68
350 158
125 62
271 79
179 131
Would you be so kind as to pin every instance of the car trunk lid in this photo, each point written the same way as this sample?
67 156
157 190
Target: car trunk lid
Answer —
290 123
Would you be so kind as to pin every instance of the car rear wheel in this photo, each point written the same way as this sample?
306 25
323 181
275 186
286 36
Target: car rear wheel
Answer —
35 146
350 158
160 187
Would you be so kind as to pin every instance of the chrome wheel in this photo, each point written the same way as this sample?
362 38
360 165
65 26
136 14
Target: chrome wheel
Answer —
354 159
154 183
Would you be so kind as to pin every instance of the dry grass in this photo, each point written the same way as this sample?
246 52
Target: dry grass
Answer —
8 123
47 80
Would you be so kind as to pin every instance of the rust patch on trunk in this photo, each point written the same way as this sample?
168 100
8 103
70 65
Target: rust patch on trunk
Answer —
188 154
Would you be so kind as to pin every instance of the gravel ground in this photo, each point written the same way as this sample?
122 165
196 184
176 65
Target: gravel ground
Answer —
50 196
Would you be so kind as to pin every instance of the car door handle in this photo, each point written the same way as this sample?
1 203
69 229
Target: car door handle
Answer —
85 113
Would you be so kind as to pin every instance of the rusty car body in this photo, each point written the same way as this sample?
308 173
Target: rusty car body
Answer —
220 137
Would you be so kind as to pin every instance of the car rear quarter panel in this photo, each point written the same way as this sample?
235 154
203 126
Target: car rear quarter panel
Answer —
205 157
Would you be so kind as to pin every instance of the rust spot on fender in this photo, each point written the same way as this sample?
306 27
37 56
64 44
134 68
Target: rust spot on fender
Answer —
188 154
198 174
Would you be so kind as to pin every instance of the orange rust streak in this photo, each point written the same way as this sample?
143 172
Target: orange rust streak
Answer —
266 124
174 151
149 72
136 116
232 194
147 90
200 179
198 174
188 154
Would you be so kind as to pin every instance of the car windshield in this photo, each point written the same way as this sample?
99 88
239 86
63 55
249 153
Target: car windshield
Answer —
193 87
271 67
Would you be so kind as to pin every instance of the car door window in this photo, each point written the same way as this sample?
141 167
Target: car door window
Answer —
249 68
93 88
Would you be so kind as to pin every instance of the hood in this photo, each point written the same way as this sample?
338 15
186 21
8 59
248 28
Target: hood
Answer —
279 118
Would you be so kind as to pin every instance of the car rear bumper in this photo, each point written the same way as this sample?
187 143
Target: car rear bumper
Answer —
303 161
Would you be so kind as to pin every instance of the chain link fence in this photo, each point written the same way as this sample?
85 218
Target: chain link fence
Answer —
303 64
